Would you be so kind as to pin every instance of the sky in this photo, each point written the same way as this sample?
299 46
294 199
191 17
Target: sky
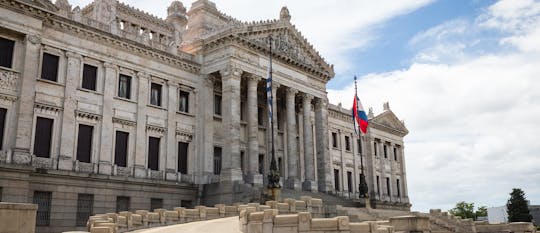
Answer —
463 75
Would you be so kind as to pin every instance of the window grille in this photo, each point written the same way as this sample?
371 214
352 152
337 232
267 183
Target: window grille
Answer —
43 200
122 203
156 203
85 205
217 160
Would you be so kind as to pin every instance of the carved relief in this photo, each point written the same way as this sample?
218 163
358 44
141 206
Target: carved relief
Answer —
9 80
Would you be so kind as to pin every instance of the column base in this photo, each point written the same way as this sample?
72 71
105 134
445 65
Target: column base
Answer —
293 183
231 174
309 185
22 156
255 179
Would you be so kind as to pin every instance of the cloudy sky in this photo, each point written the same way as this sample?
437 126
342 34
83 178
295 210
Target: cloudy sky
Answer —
464 75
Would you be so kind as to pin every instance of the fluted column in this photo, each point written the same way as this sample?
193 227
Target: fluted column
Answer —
253 131
309 182
293 181
25 117
231 120
141 136
68 115
105 153
324 161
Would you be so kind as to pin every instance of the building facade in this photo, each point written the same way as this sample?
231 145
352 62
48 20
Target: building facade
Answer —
106 108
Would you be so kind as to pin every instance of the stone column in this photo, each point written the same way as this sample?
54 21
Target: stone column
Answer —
324 161
230 78
105 155
292 150
404 191
253 131
205 131
171 160
141 136
309 182
25 116
65 161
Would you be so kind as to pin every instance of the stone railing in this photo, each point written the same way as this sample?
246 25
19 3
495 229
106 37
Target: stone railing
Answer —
140 219
268 221
17 217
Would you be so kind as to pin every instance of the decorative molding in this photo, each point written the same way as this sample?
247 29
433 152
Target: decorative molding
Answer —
123 121
9 79
156 128
47 108
34 39
87 115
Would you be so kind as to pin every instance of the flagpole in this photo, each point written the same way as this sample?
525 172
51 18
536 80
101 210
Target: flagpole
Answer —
273 176
362 189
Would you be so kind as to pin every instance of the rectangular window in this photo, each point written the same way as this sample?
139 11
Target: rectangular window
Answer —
261 163
378 186
121 148
349 182
398 186
217 160
1 191
124 86
43 200
242 111
85 205
156 203
3 113
280 166
84 143
385 151
260 116
395 153
89 77
153 153
217 105
336 179
49 67
43 137
242 163
375 148
359 142
122 203
183 157
184 102
334 140
347 143
155 94
6 52
388 186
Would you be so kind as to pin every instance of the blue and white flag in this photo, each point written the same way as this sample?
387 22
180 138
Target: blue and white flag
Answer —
269 96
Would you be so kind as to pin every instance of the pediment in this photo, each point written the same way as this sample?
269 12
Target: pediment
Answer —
389 120
287 44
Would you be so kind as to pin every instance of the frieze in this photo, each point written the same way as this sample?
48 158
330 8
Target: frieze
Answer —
9 80
155 128
124 122
47 109
87 115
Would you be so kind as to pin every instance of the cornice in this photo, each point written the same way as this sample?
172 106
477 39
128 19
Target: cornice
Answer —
378 126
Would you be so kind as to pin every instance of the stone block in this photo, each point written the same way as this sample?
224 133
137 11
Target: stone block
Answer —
110 225
171 216
304 221
212 213
286 220
410 223
300 206
521 227
263 207
272 204
17 217
362 227
101 230
283 208
137 220
154 219
324 224
343 223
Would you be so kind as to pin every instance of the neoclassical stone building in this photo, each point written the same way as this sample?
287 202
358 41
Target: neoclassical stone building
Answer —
106 107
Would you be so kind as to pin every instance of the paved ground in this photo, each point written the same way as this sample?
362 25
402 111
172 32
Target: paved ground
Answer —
221 225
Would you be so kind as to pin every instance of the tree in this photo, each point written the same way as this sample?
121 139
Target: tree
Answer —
517 207
481 212
464 210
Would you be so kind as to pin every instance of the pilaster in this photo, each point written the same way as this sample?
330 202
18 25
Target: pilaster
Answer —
253 130
21 152
141 137
205 129
105 155
293 181
171 161
230 78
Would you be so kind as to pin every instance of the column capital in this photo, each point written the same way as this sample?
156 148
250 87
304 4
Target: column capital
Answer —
230 70
321 102
110 65
142 74
307 96
70 54
291 91
34 39
253 78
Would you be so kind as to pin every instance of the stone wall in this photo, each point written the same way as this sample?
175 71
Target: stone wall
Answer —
17 217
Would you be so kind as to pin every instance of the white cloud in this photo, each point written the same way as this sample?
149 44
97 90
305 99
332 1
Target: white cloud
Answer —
473 119
333 27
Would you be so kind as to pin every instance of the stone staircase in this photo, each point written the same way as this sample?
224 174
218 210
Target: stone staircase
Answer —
328 199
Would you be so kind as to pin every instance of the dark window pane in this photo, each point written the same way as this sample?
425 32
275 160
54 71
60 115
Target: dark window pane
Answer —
89 77
349 181
347 143
155 94
156 203
153 153
84 143
336 179
395 154
388 186
261 163
184 101
185 203
3 113
378 186
49 67
85 205
122 203
375 148
385 151
217 105
182 157
398 188
124 86
43 137
120 149
334 140
217 160
6 52
260 116
43 200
